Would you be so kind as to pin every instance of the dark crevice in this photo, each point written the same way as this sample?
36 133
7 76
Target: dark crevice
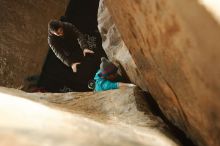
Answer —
176 131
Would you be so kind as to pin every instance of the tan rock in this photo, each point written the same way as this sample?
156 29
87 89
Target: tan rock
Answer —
114 46
175 47
112 118
23 41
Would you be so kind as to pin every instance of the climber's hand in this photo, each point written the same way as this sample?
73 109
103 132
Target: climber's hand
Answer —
122 85
87 51
131 85
74 66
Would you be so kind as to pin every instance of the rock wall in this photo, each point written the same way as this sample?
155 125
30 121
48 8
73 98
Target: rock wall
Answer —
115 47
113 118
23 45
175 52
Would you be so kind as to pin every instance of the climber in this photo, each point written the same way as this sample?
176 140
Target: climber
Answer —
107 77
61 37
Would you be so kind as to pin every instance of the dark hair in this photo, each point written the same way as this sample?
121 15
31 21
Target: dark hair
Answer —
54 25
63 19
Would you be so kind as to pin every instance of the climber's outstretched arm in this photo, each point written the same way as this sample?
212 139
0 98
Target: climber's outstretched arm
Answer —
122 85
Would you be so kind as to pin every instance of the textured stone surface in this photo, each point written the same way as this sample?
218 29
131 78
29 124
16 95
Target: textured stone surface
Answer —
114 46
113 118
23 45
175 47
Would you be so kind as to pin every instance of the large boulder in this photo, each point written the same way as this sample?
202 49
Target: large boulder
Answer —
23 41
172 50
112 118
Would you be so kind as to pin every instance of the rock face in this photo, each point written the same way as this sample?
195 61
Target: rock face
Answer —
114 46
113 118
23 29
173 50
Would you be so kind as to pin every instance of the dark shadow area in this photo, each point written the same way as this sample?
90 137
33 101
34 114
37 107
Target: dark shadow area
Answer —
55 76
83 14
123 73
179 134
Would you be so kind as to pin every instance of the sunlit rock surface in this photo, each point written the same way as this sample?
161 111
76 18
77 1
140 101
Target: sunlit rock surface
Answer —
213 7
113 118
175 54
23 41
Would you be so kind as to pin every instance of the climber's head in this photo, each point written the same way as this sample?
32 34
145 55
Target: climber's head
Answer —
56 27
108 69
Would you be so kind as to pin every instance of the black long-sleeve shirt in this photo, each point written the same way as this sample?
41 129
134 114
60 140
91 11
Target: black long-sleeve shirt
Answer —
66 47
